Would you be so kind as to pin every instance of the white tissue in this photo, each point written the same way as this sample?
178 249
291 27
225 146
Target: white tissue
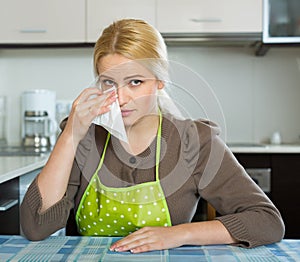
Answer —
112 121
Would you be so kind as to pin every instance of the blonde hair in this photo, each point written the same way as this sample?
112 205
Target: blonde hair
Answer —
136 40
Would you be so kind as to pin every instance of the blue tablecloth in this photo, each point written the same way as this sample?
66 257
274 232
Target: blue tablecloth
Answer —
17 248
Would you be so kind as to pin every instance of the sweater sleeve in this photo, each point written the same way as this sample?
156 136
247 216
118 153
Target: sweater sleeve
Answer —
37 225
246 212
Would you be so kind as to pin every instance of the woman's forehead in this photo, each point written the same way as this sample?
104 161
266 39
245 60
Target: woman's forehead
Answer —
120 67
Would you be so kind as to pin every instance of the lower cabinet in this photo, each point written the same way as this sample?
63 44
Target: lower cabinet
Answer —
286 191
11 196
9 207
285 184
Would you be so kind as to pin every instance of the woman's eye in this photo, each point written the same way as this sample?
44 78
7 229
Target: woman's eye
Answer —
107 83
135 82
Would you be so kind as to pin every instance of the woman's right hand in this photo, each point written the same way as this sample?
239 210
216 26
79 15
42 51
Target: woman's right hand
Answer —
88 105
54 177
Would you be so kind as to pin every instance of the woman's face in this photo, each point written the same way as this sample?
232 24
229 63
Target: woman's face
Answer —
136 86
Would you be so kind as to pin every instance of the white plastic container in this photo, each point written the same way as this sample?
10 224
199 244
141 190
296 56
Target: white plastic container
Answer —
276 138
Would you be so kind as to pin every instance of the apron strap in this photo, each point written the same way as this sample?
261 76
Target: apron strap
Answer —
104 151
158 148
158 144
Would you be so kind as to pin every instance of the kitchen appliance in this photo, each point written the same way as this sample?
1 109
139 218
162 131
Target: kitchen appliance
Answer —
262 177
281 21
38 119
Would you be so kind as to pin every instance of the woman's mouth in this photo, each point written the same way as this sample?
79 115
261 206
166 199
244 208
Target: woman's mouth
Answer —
126 112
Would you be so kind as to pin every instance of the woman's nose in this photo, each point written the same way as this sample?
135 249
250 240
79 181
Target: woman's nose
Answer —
123 96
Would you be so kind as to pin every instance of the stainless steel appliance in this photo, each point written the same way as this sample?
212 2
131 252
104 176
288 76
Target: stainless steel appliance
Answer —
262 177
36 125
39 124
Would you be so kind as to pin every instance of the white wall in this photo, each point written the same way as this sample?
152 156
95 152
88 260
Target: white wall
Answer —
67 71
258 95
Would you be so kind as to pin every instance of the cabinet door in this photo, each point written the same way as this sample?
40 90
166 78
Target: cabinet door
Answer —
9 214
250 160
209 16
285 190
285 184
42 21
101 13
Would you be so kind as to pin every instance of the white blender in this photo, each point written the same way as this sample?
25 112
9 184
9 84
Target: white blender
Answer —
38 119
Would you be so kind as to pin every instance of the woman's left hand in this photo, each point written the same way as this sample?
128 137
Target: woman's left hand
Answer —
150 238
158 238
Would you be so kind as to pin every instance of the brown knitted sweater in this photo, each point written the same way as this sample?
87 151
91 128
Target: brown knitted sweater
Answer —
194 163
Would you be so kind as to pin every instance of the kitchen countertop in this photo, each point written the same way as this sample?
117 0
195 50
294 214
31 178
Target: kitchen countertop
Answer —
265 148
14 166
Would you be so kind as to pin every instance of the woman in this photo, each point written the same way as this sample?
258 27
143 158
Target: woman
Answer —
147 189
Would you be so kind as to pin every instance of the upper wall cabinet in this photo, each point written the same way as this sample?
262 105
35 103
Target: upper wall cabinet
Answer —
81 21
42 21
209 16
101 13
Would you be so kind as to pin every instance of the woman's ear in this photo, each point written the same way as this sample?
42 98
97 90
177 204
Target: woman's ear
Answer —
160 85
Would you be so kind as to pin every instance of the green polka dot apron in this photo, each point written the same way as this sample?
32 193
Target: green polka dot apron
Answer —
107 211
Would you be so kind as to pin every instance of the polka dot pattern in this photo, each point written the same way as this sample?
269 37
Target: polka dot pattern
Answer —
117 212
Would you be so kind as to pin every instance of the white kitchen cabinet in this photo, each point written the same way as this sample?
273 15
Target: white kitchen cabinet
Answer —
209 16
42 21
101 13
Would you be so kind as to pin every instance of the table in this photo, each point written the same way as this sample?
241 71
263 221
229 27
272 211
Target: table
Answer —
72 248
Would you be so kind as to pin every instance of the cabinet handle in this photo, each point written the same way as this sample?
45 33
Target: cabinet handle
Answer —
206 20
7 204
33 31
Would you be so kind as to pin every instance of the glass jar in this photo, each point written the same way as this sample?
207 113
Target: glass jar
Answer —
36 123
